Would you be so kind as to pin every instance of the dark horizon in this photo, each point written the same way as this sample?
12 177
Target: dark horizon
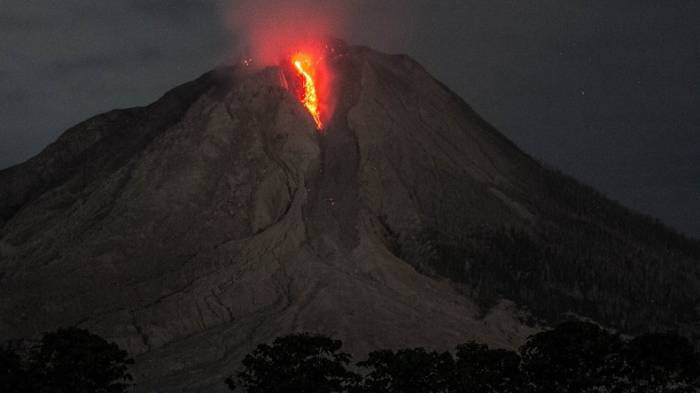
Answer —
607 93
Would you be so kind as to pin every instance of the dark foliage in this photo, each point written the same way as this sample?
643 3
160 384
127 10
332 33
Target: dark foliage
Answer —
407 371
12 374
295 363
575 266
583 254
66 361
581 357
662 362
480 369
575 357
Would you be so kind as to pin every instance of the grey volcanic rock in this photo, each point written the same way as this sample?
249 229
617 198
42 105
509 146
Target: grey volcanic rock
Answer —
216 218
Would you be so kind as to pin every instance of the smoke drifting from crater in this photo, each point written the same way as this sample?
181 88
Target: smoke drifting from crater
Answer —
267 29
273 32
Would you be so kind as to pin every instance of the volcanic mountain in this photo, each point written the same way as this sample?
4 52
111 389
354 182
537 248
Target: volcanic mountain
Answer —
218 217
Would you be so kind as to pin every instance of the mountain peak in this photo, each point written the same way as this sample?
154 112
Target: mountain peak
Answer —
218 217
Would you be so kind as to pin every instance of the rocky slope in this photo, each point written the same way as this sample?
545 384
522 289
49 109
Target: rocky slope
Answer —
217 218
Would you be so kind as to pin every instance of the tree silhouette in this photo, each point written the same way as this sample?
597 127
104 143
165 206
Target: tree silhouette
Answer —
407 371
575 357
74 360
661 362
12 374
296 363
484 370
65 361
581 357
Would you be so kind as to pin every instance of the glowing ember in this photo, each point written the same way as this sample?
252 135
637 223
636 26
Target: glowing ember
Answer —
306 68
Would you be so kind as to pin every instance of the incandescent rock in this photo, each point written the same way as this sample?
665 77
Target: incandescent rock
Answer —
216 218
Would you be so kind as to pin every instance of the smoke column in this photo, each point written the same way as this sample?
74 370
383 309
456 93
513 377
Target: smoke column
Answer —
266 29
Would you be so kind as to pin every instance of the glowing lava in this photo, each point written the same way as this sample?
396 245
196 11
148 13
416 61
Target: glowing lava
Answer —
305 66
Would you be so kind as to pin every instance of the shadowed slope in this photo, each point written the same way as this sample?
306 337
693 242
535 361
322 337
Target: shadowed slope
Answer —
217 218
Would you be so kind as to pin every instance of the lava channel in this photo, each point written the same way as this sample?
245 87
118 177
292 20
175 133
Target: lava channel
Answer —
307 70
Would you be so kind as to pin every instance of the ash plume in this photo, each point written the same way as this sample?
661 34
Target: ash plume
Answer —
266 29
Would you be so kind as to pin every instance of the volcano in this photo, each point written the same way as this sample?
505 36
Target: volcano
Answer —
219 217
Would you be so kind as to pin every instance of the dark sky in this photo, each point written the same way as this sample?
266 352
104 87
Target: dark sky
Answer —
607 91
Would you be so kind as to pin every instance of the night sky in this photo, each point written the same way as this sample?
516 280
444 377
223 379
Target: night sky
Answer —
607 91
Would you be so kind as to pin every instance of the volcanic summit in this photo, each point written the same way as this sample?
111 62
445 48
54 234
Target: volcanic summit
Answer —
219 217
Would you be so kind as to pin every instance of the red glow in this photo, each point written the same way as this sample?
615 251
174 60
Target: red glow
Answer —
273 32
306 67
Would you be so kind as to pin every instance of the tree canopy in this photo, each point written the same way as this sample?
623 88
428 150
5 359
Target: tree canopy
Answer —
574 357
412 370
68 360
296 363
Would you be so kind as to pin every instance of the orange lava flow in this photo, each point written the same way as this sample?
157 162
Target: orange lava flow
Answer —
307 70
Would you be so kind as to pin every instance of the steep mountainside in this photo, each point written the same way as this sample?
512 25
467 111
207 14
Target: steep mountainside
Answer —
217 218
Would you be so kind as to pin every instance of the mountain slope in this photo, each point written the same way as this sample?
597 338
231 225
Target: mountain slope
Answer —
217 218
